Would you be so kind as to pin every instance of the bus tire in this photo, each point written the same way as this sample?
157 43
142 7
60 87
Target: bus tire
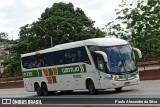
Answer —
38 89
118 89
45 89
91 87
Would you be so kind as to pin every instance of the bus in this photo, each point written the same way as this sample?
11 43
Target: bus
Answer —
93 65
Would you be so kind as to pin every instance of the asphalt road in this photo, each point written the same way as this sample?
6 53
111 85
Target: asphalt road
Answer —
146 89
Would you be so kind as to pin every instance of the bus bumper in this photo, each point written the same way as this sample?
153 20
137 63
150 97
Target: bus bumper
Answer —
116 84
111 84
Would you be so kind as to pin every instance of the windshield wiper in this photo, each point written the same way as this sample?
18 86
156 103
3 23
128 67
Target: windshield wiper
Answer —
125 65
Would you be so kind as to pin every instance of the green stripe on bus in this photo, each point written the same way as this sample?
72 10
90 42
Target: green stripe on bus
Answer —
84 66
34 73
54 79
61 71
50 71
133 74
128 75
122 76
28 74
40 73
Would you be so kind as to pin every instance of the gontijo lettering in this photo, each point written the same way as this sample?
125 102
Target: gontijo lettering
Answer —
67 70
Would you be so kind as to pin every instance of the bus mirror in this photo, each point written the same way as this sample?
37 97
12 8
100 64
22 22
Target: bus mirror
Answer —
103 54
138 51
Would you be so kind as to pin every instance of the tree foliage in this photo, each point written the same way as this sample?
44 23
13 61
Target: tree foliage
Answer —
12 66
62 23
141 20
3 36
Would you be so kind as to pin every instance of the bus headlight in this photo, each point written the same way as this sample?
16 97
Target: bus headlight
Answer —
136 76
114 77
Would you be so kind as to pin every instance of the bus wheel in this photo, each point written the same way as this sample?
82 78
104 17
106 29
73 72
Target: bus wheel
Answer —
91 87
38 90
44 89
118 89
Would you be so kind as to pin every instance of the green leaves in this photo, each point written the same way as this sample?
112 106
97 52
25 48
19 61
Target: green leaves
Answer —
64 24
59 24
3 36
142 23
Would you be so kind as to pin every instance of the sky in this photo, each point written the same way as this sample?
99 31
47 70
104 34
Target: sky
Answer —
17 13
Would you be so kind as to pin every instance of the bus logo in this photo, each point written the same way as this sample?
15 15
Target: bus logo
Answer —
6 101
70 70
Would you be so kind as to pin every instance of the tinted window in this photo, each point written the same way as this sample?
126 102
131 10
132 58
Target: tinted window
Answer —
67 56
92 49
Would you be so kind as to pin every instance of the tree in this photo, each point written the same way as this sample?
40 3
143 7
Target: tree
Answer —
12 66
3 36
141 20
60 24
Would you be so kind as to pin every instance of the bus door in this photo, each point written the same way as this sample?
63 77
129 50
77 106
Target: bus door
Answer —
101 70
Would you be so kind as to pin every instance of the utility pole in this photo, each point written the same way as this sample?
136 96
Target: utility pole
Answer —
12 35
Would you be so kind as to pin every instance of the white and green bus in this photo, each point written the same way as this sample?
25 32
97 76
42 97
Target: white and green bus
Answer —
93 64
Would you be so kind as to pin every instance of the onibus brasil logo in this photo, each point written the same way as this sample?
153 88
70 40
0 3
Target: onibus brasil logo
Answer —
20 101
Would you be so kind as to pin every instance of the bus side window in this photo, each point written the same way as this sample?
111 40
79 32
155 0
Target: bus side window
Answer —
25 63
79 55
32 62
82 55
41 62
58 57
67 57
72 57
28 62
100 63
61 57
47 59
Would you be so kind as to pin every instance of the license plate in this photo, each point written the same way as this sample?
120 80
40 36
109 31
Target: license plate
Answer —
126 83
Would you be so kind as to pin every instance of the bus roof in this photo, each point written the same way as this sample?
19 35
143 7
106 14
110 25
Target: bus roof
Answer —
95 41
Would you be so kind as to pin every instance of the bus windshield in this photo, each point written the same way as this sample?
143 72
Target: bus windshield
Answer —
120 58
